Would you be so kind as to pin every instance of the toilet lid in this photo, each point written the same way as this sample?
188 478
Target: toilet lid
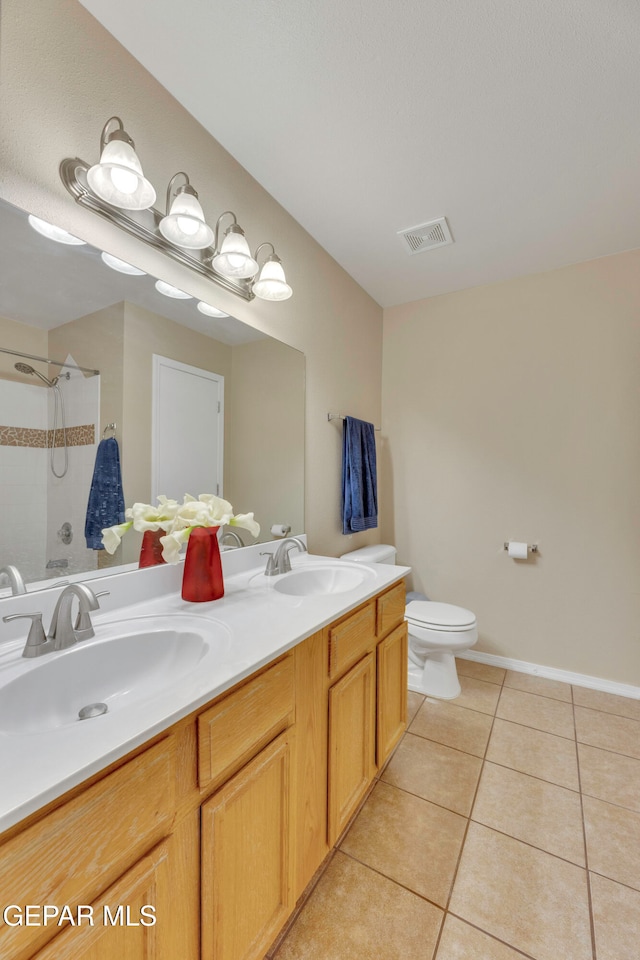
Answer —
445 615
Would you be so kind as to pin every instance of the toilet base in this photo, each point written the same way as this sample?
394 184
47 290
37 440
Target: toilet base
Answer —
438 677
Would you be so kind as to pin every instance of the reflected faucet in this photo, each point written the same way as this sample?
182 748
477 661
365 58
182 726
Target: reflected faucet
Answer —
15 579
234 536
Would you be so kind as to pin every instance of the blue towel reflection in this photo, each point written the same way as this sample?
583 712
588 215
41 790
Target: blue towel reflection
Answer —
106 498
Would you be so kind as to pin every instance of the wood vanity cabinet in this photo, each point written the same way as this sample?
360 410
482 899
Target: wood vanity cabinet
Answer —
220 823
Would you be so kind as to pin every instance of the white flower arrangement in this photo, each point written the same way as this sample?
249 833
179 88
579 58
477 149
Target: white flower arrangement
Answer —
178 520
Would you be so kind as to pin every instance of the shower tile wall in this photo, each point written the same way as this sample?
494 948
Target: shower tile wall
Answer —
67 496
23 481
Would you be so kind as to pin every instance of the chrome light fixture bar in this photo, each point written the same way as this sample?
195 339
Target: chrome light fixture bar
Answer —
116 189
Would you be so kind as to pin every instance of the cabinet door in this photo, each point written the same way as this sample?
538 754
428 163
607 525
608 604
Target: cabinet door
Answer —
127 931
246 873
351 743
392 691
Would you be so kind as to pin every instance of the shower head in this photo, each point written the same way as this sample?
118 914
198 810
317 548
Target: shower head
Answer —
26 368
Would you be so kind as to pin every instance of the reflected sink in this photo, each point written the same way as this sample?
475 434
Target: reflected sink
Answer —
126 663
319 579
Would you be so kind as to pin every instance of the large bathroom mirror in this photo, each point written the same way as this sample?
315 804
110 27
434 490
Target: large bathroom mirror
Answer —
107 332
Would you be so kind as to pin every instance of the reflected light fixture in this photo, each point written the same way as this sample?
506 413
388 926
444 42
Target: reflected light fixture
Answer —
51 232
184 223
271 283
121 265
233 258
118 178
168 290
210 311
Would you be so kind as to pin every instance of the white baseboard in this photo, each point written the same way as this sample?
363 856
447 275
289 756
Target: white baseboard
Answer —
553 673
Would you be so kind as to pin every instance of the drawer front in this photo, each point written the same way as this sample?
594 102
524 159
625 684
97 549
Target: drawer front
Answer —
74 853
351 639
390 609
233 730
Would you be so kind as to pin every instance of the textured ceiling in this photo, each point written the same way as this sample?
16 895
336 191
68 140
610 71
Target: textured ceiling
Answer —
515 119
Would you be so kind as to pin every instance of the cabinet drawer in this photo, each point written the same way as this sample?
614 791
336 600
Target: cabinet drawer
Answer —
78 850
351 639
233 730
390 609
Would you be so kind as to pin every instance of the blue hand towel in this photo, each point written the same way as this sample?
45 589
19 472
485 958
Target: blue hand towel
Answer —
359 476
106 497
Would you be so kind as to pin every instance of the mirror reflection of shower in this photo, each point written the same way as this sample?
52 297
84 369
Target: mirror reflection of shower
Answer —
58 414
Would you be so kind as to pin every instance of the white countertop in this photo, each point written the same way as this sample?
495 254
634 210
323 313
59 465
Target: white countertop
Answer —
250 626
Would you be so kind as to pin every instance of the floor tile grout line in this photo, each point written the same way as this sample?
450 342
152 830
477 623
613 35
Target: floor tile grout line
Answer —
522 953
620 883
398 883
527 843
584 839
435 803
448 746
525 773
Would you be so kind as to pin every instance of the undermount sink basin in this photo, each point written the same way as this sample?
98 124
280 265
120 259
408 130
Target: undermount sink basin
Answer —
133 662
317 579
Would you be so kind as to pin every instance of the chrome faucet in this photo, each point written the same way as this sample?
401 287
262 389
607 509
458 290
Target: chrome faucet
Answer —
281 559
62 631
15 579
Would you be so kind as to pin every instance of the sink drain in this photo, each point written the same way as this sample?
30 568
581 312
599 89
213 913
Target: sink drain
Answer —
92 710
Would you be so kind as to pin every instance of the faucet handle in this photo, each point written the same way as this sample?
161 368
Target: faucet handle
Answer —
83 623
272 567
37 643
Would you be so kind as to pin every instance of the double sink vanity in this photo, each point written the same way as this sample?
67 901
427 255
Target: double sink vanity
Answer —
238 740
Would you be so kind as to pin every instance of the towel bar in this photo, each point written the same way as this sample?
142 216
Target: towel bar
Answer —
339 416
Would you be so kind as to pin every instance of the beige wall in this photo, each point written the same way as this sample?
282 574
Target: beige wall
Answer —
512 412
62 76
265 434
20 336
96 341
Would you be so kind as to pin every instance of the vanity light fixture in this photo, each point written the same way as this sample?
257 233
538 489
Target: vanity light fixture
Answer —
51 232
121 265
168 290
210 311
116 190
118 177
271 283
233 258
184 223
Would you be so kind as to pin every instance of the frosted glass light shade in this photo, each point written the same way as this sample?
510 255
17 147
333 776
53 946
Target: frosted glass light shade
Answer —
271 284
51 232
121 265
210 311
167 290
234 259
185 224
118 178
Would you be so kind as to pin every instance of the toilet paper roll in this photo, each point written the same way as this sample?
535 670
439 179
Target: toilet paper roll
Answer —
280 529
519 551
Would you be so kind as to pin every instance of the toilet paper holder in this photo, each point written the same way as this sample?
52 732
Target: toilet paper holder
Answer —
531 547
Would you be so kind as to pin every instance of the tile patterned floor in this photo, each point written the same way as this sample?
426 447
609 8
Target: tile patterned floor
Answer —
506 826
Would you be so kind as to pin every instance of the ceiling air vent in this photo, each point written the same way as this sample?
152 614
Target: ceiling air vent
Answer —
426 236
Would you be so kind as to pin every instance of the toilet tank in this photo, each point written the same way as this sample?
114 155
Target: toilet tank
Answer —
377 553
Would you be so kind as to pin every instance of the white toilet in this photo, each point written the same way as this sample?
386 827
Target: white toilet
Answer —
437 632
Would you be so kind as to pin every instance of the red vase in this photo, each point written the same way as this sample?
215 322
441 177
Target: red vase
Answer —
151 549
202 577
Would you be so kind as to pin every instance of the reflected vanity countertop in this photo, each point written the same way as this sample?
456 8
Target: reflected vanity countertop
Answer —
257 622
